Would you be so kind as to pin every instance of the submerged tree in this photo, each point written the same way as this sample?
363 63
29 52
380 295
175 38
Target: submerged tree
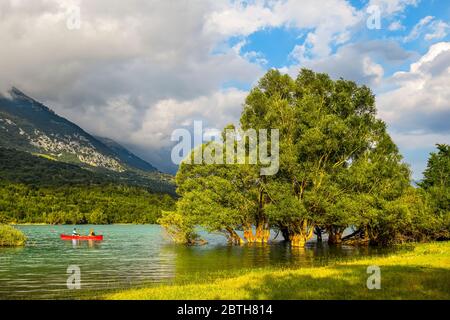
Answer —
338 168
330 142
220 198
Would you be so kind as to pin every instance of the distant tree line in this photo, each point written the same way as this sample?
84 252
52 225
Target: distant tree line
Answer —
41 171
38 190
339 169
80 204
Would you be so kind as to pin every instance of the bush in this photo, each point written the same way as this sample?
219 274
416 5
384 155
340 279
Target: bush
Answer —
11 237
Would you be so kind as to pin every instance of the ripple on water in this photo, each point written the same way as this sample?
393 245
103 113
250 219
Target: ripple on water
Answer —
133 255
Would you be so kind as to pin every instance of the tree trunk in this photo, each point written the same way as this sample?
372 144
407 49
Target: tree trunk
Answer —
233 237
262 233
318 233
303 233
298 240
248 234
335 238
360 236
335 235
285 233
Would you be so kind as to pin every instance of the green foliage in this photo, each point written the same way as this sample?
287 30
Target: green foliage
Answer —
436 184
40 171
437 173
80 204
220 198
339 168
11 237
179 229
34 189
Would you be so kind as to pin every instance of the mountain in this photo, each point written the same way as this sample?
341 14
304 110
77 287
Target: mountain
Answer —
36 143
28 125
126 156
25 168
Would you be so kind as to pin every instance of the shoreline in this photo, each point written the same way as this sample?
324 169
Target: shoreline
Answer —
423 273
87 224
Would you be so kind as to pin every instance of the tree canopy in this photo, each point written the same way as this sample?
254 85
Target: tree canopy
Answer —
338 169
436 183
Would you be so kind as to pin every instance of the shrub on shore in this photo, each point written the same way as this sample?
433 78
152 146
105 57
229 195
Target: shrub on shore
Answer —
11 237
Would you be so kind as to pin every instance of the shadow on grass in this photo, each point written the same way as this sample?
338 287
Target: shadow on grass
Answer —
349 282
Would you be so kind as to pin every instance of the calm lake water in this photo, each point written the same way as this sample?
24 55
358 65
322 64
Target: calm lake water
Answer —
136 255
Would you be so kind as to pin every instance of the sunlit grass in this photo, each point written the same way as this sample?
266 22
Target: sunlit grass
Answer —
45 156
11 237
422 273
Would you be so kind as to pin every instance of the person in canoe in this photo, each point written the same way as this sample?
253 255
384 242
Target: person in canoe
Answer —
75 232
91 233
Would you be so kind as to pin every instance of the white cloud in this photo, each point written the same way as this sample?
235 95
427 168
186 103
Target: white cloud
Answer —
396 25
112 75
360 62
433 29
137 69
420 104
390 7
329 22
421 140
418 28
438 30
215 110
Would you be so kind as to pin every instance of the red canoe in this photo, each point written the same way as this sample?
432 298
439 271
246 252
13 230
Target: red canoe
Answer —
70 237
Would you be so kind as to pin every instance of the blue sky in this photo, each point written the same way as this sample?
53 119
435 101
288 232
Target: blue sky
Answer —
273 47
136 70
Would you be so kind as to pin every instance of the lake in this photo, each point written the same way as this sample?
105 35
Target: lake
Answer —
136 255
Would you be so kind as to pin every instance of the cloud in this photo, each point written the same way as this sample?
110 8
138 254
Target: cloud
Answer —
328 23
125 63
418 28
438 30
131 64
433 29
135 70
420 103
361 62
215 111
396 25
391 7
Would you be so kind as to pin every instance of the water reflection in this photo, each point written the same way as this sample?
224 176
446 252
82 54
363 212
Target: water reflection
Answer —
76 243
221 257
134 255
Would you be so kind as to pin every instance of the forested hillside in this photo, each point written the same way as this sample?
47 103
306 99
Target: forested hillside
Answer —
36 189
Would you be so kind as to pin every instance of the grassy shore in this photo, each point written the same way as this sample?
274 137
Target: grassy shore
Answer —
422 273
11 237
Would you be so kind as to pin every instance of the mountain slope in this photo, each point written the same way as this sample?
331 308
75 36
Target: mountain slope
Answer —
28 125
23 167
126 156
43 171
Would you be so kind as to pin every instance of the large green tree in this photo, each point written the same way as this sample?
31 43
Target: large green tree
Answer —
338 169
223 198
337 160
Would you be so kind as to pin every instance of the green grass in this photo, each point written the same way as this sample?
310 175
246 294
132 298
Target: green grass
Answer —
422 273
11 237
45 156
